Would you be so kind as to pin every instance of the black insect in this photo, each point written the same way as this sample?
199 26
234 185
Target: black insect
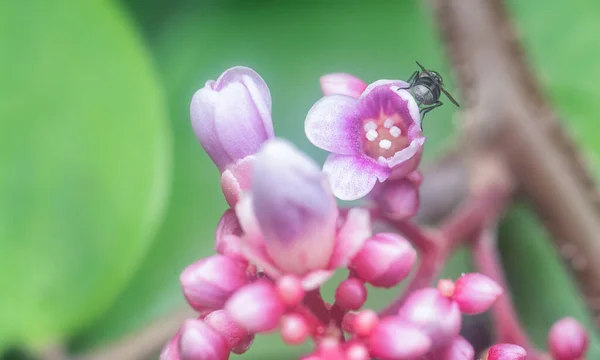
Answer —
426 87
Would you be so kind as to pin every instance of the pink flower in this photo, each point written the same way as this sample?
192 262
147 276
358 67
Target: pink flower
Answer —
394 339
256 307
475 293
237 337
290 212
384 260
568 340
397 199
372 138
342 84
506 352
171 350
232 119
458 349
199 341
351 294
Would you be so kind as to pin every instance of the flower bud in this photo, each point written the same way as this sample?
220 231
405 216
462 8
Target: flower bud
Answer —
394 339
208 283
357 351
458 349
351 294
238 339
294 329
171 350
227 236
475 293
232 116
236 179
256 307
199 341
397 199
342 84
384 260
436 315
294 208
506 352
568 340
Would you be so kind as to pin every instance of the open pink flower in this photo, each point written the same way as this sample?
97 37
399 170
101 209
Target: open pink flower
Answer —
372 138
290 220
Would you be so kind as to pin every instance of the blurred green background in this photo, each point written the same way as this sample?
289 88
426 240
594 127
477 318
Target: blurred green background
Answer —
106 195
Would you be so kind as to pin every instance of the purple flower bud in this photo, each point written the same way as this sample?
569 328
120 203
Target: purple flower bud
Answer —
436 315
568 340
238 338
199 341
256 307
232 116
342 84
458 349
397 199
394 339
384 260
294 208
208 283
171 350
475 293
506 352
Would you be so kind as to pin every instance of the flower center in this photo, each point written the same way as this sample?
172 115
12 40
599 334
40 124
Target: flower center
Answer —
384 137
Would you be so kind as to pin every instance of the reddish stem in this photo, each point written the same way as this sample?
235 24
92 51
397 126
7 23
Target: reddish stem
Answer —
486 261
315 303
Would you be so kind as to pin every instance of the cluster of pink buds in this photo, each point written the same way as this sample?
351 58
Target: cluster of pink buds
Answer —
284 235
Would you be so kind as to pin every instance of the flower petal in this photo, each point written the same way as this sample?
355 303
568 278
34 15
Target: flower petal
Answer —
315 278
413 107
398 83
342 84
407 153
353 176
332 125
351 237
378 100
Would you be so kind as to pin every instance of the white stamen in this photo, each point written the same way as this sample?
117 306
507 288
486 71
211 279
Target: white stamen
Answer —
395 131
388 123
372 135
370 126
385 144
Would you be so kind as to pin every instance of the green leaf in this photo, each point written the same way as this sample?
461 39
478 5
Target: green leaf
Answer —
542 289
291 45
84 151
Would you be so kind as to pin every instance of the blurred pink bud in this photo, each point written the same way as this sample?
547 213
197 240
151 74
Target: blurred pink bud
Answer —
364 322
397 199
568 340
294 329
385 260
256 307
342 84
506 352
394 339
237 337
475 293
458 349
232 116
199 341
436 315
446 287
330 349
357 351
208 283
236 179
351 294
290 290
294 208
227 241
171 350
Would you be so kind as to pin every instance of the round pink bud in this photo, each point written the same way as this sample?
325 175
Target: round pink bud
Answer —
458 349
397 199
384 260
236 336
351 294
433 313
199 341
568 340
506 352
290 290
171 350
357 351
256 307
394 339
475 293
364 322
294 329
329 349
208 283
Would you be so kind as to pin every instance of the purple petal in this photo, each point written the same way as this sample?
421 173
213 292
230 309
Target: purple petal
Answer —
413 107
353 176
332 125
379 100
240 126
342 84
399 83
408 153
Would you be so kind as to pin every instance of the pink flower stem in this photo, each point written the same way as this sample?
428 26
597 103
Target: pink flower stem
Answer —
315 303
486 261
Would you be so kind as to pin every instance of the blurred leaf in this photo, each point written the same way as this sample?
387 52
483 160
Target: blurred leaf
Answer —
84 150
542 289
291 45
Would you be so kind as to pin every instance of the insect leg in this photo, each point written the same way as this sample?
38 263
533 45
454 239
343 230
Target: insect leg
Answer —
425 110
411 80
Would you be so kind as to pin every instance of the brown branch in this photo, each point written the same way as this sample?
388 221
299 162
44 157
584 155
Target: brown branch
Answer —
507 113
